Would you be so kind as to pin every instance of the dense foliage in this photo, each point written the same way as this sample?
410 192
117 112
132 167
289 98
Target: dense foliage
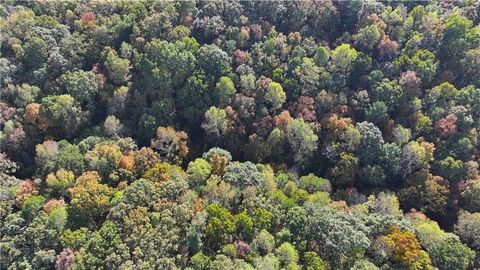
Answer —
162 134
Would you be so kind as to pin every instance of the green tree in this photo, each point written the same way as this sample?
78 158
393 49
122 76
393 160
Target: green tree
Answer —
224 89
344 235
117 68
35 53
313 262
321 56
343 173
468 229
275 97
200 261
450 253
377 112
243 174
60 181
342 58
194 98
31 206
368 37
100 250
23 94
423 62
62 115
81 85
198 172
214 61
215 122
471 196
263 243
287 254
313 183
220 226
302 140
244 225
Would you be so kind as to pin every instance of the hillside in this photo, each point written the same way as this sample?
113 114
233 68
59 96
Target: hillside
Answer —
269 135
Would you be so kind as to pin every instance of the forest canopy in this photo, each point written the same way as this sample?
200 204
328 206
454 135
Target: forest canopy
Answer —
227 134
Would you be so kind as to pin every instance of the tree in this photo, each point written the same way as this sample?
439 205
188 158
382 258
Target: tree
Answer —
368 37
171 144
35 53
112 127
388 92
242 174
244 225
117 104
52 156
23 94
59 182
64 260
165 65
301 139
405 249
307 76
81 85
454 41
200 261
262 219
321 56
62 115
214 61
344 236
31 206
343 173
447 125
220 225
451 169
435 196
100 250
224 90
194 98
471 196
423 63
287 254
163 172
415 156
117 68
275 97
215 122
384 204
377 112
468 229
198 172
145 128
410 83
313 262
221 192
313 183
103 158
370 143
140 193
218 159
342 58
263 243
90 199
450 254
268 262
469 65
